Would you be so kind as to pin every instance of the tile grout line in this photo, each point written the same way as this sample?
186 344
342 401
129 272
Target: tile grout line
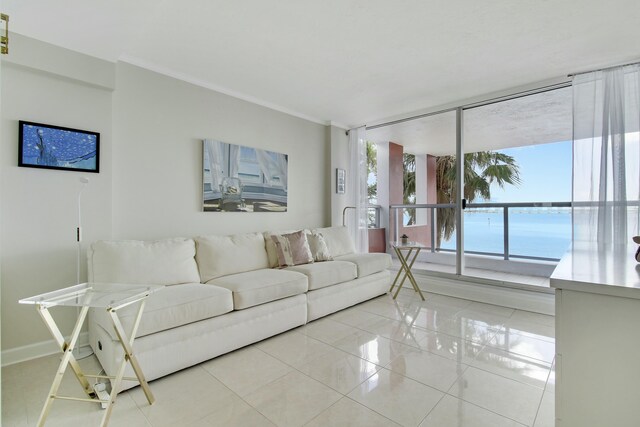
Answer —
483 347
415 345
432 409
357 403
481 407
236 394
544 390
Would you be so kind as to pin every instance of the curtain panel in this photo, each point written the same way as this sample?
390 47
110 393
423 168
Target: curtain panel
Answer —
606 155
357 188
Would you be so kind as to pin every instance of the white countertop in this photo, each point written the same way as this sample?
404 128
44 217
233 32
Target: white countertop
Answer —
608 271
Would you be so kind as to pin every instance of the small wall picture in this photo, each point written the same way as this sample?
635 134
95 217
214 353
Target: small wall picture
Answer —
237 178
56 147
341 176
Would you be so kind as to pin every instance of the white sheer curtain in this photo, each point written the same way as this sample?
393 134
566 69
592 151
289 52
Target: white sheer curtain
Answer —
282 168
279 165
214 153
234 160
265 162
357 188
606 155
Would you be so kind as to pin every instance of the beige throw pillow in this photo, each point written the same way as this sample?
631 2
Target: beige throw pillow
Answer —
318 246
292 249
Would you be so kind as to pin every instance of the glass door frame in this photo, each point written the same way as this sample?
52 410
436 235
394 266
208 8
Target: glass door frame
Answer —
460 203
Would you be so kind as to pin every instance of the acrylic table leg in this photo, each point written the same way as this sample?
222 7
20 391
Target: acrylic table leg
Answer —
412 279
406 267
395 280
127 345
67 359
400 270
403 263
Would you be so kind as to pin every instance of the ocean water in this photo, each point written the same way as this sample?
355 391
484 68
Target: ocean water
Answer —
531 233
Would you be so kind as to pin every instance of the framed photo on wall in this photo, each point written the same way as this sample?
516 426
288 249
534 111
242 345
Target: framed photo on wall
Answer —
341 177
237 178
56 147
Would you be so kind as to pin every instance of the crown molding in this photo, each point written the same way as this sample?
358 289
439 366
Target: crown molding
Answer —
148 65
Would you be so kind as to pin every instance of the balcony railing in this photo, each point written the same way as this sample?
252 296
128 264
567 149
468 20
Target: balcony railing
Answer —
373 215
496 207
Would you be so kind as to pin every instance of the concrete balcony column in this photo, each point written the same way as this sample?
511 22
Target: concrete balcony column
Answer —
425 192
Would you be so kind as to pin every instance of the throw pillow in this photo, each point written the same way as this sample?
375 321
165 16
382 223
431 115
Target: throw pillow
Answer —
292 249
318 247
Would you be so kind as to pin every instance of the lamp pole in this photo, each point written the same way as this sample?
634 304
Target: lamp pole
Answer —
84 351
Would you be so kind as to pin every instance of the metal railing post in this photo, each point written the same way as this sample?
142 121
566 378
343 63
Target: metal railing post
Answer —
505 214
433 230
397 228
506 253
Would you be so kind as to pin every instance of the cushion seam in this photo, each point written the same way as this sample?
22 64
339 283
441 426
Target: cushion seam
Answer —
268 286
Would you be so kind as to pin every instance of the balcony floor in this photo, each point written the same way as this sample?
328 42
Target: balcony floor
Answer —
506 279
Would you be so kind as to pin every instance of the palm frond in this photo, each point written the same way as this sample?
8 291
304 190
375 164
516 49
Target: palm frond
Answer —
481 169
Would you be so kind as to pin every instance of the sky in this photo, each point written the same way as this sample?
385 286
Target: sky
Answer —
545 172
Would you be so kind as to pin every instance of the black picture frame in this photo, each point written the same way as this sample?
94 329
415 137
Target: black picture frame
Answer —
45 146
341 180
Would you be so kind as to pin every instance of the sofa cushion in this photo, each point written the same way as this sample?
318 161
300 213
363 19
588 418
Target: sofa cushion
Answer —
261 286
161 262
270 246
329 273
338 240
170 307
219 256
368 263
318 247
292 249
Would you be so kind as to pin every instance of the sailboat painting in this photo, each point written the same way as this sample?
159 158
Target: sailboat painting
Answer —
55 147
237 178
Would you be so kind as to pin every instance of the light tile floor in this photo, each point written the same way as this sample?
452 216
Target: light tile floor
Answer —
438 363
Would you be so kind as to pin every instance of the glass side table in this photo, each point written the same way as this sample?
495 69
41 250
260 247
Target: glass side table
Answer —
406 263
108 296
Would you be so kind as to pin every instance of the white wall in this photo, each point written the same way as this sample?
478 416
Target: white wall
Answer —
339 160
150 180
39 212
159 124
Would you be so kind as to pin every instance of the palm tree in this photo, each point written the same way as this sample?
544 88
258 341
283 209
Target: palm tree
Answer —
409 185
481 169
372 168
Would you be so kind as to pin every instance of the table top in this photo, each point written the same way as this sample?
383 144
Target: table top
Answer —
102 295
610 270
407 245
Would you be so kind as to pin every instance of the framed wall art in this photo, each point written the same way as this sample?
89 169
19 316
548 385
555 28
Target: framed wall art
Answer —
56 147
237 178
341 176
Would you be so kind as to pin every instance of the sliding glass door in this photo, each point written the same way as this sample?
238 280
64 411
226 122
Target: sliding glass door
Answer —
514 176
517 168
414 186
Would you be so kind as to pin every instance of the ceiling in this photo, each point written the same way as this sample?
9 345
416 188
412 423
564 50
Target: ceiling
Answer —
350 62
535 119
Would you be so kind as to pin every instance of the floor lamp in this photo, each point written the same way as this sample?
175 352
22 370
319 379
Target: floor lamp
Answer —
80 352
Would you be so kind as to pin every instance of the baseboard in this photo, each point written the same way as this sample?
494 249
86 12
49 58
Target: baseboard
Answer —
520 299
36 350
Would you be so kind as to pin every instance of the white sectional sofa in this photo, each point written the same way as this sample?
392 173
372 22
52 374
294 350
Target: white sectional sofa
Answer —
222 293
